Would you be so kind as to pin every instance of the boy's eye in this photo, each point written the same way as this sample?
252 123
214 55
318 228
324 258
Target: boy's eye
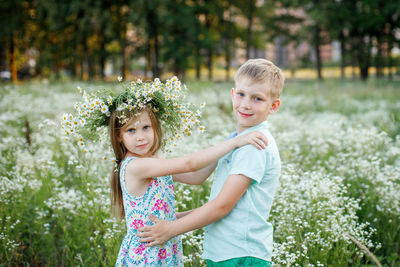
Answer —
240 94
258 99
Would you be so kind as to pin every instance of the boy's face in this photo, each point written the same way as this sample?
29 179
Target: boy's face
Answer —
252 103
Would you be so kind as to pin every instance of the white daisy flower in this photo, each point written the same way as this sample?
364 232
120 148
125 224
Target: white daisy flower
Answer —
104 109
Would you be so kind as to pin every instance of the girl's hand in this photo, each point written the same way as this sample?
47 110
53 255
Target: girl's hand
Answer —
255 138
157 234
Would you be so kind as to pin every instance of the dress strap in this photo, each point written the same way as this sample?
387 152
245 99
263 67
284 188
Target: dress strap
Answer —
122 173
125 162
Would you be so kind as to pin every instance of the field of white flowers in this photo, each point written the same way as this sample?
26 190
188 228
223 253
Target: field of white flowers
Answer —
337 204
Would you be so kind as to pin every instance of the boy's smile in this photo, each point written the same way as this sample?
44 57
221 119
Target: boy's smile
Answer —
252 103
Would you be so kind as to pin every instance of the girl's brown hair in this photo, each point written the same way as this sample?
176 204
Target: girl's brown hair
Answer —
115 126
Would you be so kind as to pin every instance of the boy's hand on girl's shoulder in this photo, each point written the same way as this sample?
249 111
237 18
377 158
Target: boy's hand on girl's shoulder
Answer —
255 138
157 234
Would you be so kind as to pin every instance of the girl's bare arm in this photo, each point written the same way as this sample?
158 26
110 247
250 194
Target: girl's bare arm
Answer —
154 167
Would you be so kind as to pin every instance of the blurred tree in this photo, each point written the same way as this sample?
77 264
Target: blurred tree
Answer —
248 9
282 25
317 27
118 23
337 15
180 20
15 17
153 27
229 33
199 37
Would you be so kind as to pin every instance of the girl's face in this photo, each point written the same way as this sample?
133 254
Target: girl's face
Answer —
137 135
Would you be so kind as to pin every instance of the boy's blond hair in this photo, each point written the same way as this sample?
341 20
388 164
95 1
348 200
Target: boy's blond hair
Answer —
263 71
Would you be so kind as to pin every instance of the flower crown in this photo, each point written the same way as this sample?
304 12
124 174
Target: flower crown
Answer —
177 117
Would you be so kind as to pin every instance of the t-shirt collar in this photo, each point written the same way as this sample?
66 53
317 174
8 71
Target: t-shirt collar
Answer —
254 128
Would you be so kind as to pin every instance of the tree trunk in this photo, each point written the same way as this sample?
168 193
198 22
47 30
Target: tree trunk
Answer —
250 28
342 55
13 62
124 55
198 63
85 62
102 53
125 60
389 58
209 64
3 63
209 49
156 64
319 65
228 44
317 43
228 62
364 57
148 60
379 57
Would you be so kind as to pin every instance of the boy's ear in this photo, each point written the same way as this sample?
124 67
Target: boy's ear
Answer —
275 106
232 91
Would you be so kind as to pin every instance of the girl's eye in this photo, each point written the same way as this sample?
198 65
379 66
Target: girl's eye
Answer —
146 127
258 99
131 130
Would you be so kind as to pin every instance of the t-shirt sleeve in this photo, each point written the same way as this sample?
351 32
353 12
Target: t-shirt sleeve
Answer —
249 161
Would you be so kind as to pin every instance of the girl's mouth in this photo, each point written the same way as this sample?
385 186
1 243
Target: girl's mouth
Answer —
141 146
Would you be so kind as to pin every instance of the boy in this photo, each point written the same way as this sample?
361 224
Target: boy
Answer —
238 233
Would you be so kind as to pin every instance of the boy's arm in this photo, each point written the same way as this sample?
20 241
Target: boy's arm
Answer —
233 189
196 177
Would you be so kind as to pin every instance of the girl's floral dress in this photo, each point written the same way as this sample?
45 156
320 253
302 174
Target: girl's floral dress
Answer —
158 200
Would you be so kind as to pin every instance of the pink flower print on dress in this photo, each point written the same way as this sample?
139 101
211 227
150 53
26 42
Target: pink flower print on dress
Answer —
139 250
161 205
175 249
166 207
133 204
162 253
137 224
124 252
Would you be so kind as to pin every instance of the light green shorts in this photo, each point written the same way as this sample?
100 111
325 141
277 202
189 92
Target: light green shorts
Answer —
240 262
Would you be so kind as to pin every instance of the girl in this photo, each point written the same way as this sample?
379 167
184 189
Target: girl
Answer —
142 184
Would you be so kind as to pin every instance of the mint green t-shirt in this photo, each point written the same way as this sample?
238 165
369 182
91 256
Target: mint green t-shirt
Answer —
245 231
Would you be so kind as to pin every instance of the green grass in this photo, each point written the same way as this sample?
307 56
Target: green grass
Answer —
339 144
